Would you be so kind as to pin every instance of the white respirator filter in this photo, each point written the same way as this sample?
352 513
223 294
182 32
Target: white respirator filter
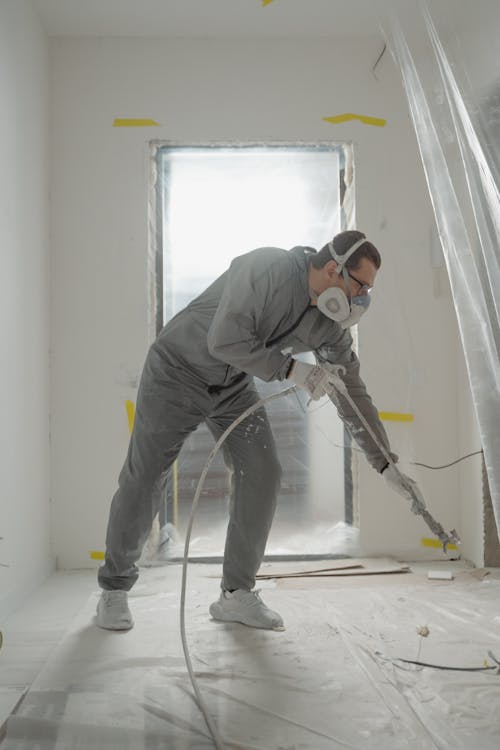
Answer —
334 304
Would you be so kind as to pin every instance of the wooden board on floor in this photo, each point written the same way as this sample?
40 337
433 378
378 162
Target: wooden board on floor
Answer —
352 568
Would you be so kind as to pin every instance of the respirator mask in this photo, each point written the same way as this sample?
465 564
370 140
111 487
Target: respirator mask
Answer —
334 303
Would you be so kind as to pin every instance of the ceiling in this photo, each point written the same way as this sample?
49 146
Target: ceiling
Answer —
284 18
236 18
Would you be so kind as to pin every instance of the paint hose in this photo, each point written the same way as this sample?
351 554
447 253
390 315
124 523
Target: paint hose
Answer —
336 387
201 704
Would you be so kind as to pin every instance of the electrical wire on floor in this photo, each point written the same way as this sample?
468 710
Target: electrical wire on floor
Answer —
487 668
201 703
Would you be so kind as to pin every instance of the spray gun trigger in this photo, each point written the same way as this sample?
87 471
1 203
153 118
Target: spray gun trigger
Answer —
334 379
337 370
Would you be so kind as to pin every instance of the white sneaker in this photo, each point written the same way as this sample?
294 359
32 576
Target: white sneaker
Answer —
246 607
113 612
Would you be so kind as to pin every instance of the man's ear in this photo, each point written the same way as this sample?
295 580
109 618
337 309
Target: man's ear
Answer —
330 267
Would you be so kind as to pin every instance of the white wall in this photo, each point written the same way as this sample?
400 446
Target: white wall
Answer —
212 90
24 303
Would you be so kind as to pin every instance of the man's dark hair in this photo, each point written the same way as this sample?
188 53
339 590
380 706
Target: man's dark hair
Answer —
341 244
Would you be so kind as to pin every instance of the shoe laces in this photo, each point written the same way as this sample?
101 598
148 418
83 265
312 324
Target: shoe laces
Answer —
251 598
115 599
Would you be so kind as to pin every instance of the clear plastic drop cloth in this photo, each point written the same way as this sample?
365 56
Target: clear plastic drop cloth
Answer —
332 681
448 55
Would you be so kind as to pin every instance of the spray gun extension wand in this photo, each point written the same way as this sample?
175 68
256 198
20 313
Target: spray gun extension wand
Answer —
338 387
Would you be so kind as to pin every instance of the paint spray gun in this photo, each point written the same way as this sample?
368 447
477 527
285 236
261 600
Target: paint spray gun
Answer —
335 388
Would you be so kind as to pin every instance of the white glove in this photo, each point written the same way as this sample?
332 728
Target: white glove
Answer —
314 378
404 486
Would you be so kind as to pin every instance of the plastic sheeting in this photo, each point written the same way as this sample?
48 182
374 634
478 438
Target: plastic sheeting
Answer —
328 682
451 77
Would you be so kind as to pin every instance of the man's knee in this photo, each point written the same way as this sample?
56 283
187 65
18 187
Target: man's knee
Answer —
145 465
266 473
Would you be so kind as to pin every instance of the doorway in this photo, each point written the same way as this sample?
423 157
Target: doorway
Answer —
212 203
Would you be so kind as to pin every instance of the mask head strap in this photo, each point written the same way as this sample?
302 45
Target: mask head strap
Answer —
342 259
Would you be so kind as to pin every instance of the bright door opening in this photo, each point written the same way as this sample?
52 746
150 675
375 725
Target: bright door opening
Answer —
213 203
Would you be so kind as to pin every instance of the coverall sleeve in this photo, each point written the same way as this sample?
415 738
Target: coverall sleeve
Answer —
357 391
237 332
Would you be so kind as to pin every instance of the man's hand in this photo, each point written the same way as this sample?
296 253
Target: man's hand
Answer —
314 378
404 486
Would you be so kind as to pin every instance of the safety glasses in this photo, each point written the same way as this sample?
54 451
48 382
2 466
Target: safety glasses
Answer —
363 288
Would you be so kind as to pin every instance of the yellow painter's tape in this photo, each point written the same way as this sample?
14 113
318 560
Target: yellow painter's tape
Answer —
129 406
266 2
394 416
96 555
133 122
436 543
377 121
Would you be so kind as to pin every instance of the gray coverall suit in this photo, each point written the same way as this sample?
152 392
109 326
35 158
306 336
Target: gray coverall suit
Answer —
200 368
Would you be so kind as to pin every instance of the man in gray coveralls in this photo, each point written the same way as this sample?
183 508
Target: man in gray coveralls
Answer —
201 368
